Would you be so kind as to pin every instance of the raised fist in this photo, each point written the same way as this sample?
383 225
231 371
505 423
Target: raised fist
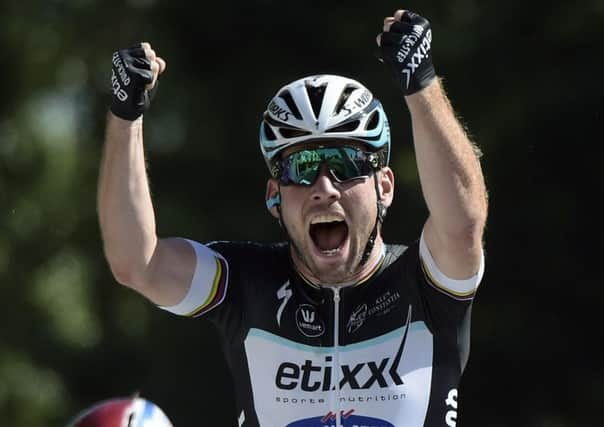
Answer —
133 80
405 47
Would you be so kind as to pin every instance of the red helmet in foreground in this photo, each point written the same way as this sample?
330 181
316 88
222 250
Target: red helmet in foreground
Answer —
122 412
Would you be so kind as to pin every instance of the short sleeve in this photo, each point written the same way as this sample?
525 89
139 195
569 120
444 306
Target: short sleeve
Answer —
208 286
456 288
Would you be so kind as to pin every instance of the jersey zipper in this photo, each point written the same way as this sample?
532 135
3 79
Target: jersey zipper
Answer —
336 355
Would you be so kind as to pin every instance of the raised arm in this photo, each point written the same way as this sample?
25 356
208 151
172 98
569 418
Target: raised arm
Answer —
448 162
160 269
452 183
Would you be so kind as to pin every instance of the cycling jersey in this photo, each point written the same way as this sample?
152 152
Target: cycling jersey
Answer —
387 351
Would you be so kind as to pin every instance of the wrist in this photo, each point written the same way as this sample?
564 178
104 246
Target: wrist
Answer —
428 86
433 88
122 123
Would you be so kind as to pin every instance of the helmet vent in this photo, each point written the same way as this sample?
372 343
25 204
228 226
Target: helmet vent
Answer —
316 95
270 135
289 100
343 98
346 127
293 133
373 121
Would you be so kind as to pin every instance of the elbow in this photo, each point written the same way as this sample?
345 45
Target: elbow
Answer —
122 275
129 264
468 235
126 275
464 229
470 227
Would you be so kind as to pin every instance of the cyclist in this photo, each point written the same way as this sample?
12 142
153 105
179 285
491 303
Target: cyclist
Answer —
333 326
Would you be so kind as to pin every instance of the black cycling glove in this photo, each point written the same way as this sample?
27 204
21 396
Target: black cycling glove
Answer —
406 49
131 72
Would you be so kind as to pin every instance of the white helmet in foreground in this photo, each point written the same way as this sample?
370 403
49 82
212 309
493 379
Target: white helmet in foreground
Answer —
122 412
323 107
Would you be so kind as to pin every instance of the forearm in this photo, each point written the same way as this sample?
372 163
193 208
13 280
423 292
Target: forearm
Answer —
125 209
448 165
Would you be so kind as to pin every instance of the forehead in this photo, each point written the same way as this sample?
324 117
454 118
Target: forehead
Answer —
320 143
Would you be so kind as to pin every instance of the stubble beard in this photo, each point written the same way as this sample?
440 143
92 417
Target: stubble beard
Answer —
331 276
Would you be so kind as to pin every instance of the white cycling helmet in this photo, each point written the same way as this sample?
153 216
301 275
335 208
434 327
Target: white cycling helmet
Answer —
323 107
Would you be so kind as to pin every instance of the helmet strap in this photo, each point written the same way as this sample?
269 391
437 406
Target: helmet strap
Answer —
381 214
282 223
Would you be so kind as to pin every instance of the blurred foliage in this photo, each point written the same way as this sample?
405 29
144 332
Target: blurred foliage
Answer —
525 78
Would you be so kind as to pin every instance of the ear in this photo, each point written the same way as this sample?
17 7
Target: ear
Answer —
273 197
385 179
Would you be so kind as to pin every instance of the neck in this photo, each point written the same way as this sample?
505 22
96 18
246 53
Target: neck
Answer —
363 273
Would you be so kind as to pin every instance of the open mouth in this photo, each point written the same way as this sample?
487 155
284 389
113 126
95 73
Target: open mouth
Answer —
328 233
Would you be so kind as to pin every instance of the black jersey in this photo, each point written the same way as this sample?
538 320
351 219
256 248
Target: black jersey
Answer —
388 351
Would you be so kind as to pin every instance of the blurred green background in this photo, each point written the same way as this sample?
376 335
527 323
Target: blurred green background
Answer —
526 77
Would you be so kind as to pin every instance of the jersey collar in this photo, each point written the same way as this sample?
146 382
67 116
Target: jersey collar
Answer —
376 268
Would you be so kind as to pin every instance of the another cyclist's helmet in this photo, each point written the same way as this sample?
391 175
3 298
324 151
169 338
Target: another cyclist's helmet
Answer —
323 107
122 412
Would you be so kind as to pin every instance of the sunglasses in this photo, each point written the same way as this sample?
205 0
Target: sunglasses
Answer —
344 164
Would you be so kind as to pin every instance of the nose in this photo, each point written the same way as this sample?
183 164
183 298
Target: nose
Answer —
324 188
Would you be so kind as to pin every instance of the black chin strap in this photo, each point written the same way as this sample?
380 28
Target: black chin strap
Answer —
282 224
381 214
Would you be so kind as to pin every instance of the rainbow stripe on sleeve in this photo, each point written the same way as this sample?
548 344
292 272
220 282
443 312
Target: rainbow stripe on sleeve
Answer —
431 280
218 291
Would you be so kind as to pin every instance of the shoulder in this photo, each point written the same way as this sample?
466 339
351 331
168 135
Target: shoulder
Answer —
227 271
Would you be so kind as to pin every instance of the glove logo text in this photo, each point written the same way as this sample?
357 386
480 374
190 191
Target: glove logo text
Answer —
418 56
123 76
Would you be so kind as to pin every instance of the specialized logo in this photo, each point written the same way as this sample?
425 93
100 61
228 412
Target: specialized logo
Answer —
407 43
308 321
284 293
347 420
381 306
312 377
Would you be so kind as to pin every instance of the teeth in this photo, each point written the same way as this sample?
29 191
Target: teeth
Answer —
326 218
331 252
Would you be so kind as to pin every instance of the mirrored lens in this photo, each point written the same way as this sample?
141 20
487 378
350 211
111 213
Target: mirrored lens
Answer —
305 166
344 163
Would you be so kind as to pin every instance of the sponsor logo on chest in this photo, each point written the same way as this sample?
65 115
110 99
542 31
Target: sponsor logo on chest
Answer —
309 322
381 306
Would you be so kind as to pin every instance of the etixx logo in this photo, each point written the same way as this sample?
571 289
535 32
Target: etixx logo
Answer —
309 322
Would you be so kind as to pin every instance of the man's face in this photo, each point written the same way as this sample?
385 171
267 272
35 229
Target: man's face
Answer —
330 222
